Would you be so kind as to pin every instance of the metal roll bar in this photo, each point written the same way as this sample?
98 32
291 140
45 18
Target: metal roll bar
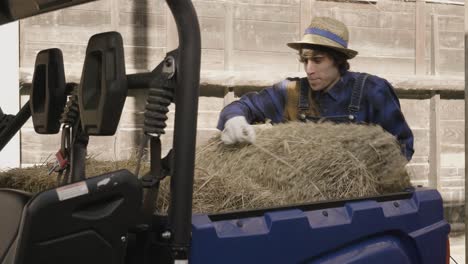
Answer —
185 129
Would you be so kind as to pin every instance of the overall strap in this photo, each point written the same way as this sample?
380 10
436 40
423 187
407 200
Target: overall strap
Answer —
356 94
303 102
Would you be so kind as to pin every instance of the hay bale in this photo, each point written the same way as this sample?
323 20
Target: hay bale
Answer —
296 163
289 163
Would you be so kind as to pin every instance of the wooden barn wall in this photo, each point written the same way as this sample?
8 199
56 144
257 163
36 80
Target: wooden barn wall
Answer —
245 36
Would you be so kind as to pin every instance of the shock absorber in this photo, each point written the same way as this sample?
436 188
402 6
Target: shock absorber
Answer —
70 118
159 99
157 106
71 113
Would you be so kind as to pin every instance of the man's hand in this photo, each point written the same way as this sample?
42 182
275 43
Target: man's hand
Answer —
237 130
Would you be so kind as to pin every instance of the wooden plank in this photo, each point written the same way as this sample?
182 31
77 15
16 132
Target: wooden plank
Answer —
451 23
420 46
421 142
142 6
267 61
416 112
210 8
53 36
382 65
128 140
435 54
449 10
252 35
206 120
278 13
306 17
143 58
229 96
383 42
71 17
210 104
451 40
452 110
143 36
104 147
212 34
101 5
418 172
114 15
212 59
271 2
228 36
451 61
452 132
172 38
147 20
73 54
36 149
456 160
451 148
434 134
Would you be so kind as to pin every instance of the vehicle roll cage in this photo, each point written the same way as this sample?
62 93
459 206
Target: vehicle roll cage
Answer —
186 101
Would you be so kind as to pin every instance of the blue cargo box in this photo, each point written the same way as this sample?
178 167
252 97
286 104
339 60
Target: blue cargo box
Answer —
402 228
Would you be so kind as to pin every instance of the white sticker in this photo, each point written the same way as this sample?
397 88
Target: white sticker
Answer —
178 261
72 190
103 182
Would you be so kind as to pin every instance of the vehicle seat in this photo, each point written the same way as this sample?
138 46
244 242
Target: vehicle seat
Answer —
12 203
84 222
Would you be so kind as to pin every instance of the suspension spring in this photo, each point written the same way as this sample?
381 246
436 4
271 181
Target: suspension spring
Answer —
157 107
71 113
159 99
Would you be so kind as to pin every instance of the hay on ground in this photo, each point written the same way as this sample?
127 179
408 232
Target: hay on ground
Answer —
289 164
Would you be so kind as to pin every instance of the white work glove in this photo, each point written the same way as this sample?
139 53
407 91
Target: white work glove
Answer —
237 130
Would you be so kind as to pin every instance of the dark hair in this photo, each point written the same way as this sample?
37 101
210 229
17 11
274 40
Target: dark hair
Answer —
339 58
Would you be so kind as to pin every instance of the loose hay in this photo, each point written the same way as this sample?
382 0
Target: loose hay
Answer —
289 163
297 163
35 179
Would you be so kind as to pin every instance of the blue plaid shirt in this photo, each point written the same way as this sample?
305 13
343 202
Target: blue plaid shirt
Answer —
379 105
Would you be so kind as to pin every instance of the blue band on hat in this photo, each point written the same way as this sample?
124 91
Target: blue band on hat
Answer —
327 34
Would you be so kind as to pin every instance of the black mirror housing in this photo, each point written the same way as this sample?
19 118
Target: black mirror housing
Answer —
48 95
103 87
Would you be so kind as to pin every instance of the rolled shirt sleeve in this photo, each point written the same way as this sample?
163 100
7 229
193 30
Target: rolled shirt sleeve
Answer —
257 106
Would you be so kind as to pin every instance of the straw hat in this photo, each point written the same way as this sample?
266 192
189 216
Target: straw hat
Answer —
327 32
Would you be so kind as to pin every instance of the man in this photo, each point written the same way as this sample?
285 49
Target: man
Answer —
329 92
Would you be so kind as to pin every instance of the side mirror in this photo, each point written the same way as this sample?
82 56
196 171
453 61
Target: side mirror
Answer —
103 86
48 95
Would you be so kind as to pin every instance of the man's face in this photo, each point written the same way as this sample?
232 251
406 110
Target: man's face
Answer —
320 69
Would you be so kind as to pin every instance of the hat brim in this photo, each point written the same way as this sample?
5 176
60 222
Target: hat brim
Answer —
297 45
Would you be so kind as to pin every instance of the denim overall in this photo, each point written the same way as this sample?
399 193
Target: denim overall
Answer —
353 108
